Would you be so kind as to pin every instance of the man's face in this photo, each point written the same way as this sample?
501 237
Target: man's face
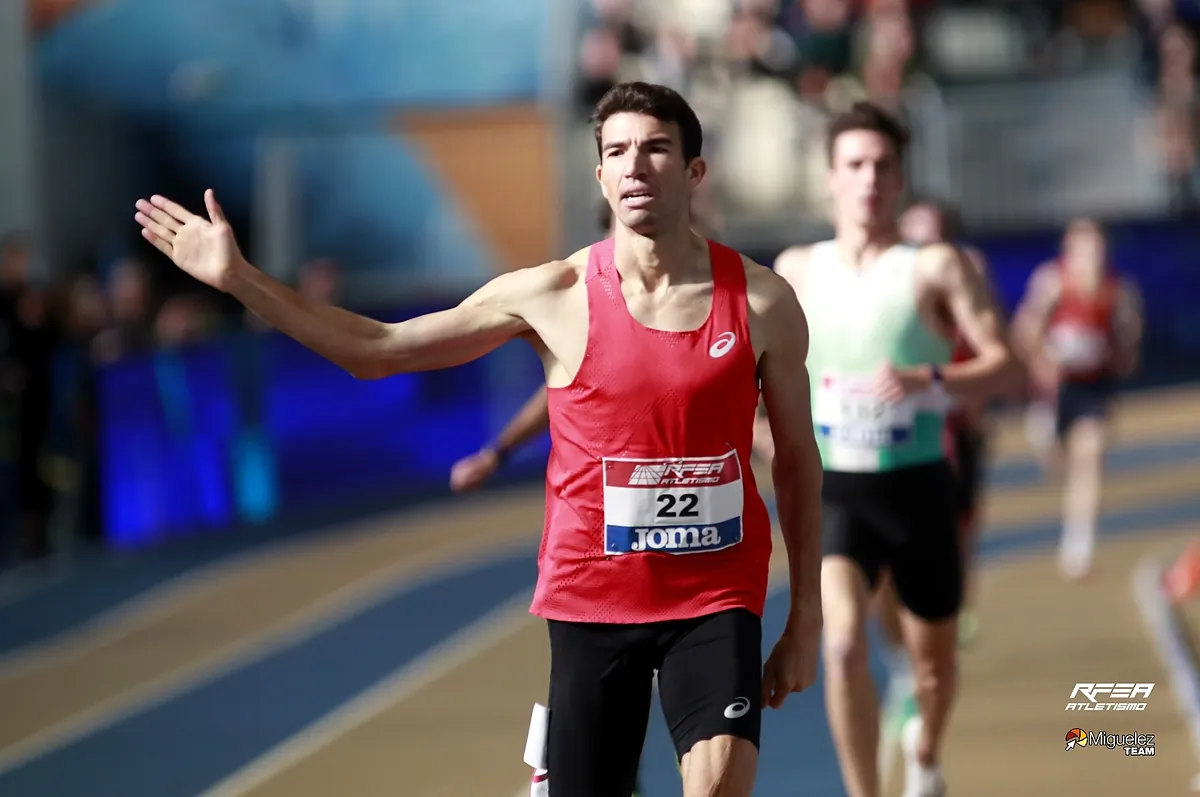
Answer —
865 177
1085 251
642 172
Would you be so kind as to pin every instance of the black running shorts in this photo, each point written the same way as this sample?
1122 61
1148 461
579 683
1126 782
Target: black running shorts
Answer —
601 679
969 452
1078 400
904 520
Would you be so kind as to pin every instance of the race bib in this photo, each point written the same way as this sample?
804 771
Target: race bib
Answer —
1077 347
845 413
681 505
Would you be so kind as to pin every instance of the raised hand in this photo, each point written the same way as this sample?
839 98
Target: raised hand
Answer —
204 248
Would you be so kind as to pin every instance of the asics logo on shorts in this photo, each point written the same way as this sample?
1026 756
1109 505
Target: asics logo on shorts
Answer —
737 709
724 343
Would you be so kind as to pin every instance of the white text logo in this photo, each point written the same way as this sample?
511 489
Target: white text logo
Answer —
668 539
1109 697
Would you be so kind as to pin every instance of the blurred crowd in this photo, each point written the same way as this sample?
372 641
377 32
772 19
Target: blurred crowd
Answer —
1173 29
53 340
765 74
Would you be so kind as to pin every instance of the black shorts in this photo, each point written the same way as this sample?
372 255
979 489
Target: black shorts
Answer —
969 452
1077 400
906 521
601 679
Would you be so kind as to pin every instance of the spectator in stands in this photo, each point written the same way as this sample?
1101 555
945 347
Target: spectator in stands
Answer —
822 32
182 319
606 48
33 342
887 63
754 45
1177 115
76 424
129 323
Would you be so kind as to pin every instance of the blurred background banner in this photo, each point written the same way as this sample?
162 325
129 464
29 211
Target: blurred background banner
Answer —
392 155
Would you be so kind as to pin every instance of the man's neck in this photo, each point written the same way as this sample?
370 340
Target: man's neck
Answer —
859 245
655 260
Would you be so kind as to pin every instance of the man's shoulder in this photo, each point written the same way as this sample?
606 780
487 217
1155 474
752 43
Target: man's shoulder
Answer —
555 274
530 283
762 282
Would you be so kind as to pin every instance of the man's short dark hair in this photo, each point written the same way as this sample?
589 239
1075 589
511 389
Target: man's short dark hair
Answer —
867 116
664 104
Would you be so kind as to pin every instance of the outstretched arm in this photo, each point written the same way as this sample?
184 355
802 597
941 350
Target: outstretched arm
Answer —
368 349
530 421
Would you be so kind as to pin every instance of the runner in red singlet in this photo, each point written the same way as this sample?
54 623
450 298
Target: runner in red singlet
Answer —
925 223
533 418
656 545
1079 328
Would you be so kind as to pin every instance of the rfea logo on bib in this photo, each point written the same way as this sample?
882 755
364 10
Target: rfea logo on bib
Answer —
676 506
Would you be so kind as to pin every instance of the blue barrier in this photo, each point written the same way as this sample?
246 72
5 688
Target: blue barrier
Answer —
251 428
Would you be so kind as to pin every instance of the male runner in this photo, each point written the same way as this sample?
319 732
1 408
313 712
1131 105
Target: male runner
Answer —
654 343
533 418
1079 328
925 223
884 316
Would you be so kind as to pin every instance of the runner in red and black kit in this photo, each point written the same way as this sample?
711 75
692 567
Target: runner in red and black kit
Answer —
619 496
655 345
1079 327
966 446
927 222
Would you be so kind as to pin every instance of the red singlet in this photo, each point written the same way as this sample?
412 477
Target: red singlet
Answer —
1080 330
652 512
957 420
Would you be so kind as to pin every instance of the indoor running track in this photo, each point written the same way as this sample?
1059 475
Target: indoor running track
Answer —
396 657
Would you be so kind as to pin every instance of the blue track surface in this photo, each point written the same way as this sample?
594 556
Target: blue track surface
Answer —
194 739
64 605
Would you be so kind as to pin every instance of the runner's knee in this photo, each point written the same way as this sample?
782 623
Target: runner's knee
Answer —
723 766
935 672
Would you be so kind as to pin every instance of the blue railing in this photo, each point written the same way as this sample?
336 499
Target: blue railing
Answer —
254 428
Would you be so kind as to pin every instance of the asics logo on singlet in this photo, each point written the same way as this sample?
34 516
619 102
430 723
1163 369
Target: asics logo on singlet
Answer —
738 708
724 343
669 539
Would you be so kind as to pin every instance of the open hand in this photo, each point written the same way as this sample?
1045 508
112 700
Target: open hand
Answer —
470 472
204 248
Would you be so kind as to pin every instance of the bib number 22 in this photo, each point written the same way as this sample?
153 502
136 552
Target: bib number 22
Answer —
686 504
